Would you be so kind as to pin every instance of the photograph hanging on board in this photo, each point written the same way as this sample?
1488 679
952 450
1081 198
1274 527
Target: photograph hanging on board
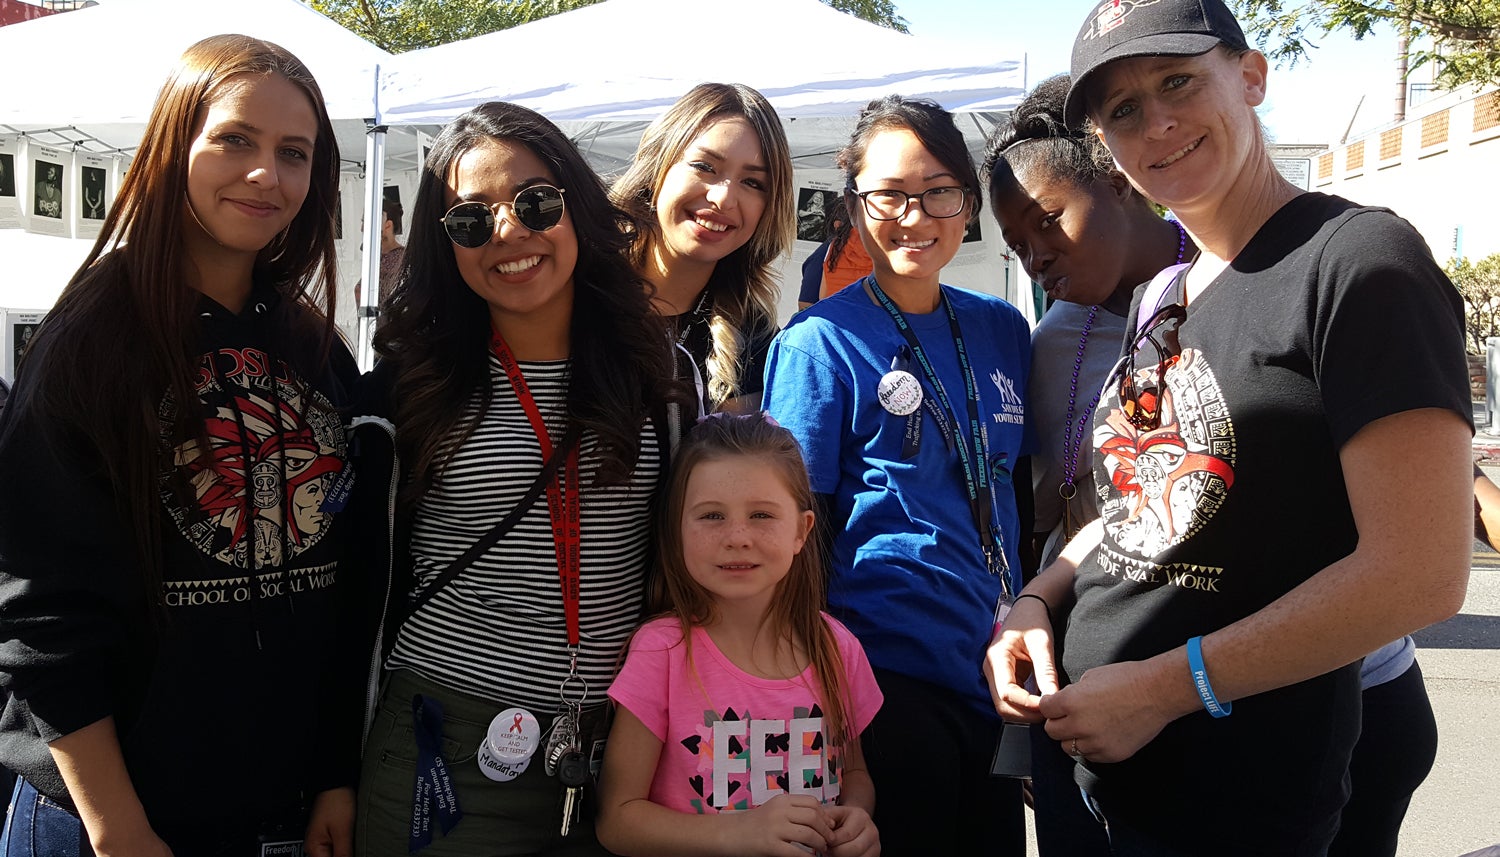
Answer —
10 207
817 193
17 327
7 174
95 193
47 209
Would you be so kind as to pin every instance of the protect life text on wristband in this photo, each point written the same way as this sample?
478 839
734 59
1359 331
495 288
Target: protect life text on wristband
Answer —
1211 703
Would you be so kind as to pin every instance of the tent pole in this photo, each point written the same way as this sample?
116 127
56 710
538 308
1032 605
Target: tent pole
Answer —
370 249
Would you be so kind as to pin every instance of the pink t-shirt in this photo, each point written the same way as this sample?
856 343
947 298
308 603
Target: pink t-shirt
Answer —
730 740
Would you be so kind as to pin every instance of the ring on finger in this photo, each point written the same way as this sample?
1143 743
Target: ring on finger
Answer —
1075 753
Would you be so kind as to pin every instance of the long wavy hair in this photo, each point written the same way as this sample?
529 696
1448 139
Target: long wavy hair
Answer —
795 612
934 129
744 287
125 329
437 330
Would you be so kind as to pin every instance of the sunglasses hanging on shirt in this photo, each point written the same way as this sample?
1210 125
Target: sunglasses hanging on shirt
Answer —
1141 403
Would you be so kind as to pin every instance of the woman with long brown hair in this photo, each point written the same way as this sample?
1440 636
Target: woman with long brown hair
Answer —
169 548
529 384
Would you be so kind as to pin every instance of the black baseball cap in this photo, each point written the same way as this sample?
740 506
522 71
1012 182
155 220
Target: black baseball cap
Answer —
1117 29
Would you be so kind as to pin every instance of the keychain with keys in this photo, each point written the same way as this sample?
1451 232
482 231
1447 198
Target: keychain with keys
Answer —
573 773
562 737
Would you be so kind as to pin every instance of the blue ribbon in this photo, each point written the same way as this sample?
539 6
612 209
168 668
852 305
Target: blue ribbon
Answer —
432 792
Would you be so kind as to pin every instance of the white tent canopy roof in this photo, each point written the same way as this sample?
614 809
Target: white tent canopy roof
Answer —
90 77
99 69
630 59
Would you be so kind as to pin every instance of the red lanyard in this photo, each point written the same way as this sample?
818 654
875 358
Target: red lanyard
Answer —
562 493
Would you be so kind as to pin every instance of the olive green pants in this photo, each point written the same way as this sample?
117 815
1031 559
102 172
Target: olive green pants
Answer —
520 817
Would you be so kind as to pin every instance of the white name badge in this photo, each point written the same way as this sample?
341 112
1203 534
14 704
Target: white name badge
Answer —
513 735
899 392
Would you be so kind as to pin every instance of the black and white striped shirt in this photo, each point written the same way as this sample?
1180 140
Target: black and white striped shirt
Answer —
498 630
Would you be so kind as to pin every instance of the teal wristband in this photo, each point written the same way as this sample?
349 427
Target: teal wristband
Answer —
1211 703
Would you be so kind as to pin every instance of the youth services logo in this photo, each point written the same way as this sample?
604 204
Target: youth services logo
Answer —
1012 406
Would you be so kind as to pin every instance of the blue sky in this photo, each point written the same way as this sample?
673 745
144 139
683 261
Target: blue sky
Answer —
1312 103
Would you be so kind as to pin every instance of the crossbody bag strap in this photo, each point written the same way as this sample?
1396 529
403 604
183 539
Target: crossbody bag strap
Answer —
489 539
1155 292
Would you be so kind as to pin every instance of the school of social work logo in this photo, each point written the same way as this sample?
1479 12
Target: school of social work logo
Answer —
1012 406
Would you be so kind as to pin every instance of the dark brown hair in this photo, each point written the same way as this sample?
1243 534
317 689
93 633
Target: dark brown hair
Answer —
934 129
1037 137
124 330
437 330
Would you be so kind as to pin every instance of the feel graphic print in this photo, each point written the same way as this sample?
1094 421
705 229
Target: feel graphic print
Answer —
1164 484
275 447
743 761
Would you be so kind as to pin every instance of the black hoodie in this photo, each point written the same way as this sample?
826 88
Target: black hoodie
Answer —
226 709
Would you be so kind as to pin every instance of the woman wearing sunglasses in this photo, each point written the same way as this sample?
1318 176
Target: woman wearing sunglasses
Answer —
526 377
905 395
711 192
1262 506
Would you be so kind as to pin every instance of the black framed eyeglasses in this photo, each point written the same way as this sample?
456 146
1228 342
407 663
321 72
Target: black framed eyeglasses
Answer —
1142 402
472 224
891 204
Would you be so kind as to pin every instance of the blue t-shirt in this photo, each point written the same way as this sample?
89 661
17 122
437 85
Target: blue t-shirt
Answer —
908 573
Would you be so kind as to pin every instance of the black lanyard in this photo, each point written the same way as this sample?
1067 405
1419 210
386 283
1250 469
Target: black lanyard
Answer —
976 461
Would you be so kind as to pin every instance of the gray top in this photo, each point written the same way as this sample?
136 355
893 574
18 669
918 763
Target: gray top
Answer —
1054 348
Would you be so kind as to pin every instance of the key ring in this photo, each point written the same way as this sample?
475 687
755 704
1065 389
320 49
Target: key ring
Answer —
583 692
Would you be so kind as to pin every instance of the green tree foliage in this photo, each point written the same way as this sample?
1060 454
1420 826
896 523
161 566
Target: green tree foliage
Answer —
1479 285
882 12
1461 37
403 25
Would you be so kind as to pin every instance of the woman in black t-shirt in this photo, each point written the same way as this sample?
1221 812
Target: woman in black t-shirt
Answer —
1260 498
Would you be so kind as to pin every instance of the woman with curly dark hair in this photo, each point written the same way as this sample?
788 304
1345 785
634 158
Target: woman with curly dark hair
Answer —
522 361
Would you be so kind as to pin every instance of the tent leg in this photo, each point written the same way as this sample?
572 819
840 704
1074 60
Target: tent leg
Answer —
370 255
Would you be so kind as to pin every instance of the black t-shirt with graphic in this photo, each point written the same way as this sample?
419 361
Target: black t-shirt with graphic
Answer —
1332 317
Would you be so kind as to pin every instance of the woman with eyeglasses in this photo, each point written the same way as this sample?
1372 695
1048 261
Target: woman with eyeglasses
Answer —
711 193
528 382
906 396
1262 508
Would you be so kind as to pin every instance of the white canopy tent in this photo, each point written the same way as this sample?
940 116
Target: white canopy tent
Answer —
86 80
604 71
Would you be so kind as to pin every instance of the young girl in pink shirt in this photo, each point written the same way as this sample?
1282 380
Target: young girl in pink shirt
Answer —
740 706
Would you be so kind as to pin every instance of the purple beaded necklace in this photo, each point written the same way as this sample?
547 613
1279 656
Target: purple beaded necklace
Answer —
1073 430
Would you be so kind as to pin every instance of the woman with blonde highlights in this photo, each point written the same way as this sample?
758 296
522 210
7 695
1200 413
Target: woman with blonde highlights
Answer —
711 193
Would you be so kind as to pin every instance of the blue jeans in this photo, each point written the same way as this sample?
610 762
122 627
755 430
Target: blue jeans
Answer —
36 826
